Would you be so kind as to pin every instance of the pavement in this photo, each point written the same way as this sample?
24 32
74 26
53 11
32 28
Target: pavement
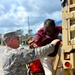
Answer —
2 48
1 70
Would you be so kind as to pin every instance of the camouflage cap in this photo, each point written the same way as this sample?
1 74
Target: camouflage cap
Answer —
9 34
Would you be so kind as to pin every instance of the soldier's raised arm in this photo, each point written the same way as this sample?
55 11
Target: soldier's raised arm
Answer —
30 55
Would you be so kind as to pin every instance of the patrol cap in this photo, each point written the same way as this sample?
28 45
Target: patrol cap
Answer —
9 34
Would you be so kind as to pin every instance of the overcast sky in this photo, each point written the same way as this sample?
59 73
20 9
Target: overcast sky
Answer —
14 14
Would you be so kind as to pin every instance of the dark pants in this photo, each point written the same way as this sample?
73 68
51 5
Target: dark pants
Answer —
39 73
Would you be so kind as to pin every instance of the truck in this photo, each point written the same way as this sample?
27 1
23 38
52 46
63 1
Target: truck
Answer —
68 38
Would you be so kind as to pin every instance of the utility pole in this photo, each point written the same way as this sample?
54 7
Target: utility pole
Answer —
28 26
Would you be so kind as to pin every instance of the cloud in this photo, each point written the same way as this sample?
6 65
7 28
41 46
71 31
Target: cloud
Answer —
18 14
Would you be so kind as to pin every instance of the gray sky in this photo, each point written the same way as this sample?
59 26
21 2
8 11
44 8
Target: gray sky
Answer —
14 14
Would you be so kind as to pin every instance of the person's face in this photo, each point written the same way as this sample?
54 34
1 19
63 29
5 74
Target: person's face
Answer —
14 42
30 43
48 29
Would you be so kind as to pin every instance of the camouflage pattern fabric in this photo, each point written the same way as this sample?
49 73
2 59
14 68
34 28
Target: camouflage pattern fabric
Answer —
15 60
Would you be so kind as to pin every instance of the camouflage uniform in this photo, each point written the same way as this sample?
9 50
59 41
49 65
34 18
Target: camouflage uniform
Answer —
14 61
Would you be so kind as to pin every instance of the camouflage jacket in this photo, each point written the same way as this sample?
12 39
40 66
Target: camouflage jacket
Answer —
15 60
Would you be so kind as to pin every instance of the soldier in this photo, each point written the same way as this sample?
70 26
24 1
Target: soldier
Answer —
15 58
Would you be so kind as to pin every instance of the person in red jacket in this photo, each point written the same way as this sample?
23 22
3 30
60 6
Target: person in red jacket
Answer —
47 33
35 66
43 37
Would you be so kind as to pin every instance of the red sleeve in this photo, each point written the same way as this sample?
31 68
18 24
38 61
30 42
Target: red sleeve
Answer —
59 29
38 37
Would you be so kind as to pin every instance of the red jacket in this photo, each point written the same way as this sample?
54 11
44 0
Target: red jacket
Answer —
43 39
36 66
